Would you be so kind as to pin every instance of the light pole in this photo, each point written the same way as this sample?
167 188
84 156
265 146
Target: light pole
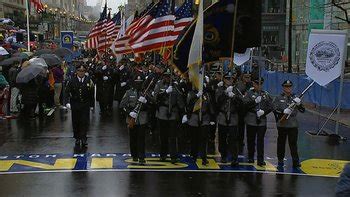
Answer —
290 28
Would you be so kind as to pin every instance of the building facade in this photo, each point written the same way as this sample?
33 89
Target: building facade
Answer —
13 9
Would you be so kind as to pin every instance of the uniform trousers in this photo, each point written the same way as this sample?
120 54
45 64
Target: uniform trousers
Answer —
137 141
292 135
256 133
228 141
199 141
168 138
80 119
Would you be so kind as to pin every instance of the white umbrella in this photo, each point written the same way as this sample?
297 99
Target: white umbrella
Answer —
3 51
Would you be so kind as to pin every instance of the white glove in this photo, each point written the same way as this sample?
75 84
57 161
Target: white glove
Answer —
260 113
184 119
68 106
212 123
169 90
152 93
229 89
121 67
123 84
143 100
287 111
258 99
133 114
104 67
231 94
297 100
105 78
199 94
86 74
91 109
220 84
207 79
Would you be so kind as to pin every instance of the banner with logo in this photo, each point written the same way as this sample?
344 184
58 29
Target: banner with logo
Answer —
67 39
326 55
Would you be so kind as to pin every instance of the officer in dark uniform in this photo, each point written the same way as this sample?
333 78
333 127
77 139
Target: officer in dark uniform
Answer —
287 128
258 105
170 108
80 92
135 104
105 88
229 101
199 127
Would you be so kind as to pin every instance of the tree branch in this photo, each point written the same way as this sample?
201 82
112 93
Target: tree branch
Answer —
344 10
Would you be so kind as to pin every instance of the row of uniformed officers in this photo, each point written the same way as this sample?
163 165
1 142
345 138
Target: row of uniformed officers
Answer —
231 106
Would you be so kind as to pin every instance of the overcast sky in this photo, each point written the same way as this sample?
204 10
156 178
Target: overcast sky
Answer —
110 3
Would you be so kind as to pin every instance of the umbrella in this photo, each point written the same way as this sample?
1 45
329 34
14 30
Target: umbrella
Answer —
62 52
16 45
51 59
12 60
38 62
3 51
28 73
42 51
23 54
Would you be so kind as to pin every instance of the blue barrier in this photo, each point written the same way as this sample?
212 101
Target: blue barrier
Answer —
321 96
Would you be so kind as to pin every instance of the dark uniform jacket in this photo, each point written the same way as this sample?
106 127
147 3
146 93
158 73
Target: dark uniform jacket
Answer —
80 92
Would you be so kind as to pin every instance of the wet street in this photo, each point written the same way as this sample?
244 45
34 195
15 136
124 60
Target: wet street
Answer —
108 136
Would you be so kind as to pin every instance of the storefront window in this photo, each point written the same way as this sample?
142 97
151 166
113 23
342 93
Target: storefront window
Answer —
270 37
274 6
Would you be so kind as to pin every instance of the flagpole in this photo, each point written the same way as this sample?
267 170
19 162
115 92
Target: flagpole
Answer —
28 33
233 34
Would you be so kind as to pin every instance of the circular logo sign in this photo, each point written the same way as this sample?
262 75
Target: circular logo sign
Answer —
67 39
324 56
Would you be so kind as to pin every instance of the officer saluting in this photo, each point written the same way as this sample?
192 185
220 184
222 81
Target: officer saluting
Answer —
80 92
287 128
258 104
135 105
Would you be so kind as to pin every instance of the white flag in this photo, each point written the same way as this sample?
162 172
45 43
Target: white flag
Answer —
326 55
241 58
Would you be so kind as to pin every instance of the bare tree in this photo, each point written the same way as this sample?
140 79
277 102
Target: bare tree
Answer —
340 6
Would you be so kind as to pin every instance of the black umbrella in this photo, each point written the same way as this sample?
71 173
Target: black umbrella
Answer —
43 51
63 52
51 59
16 45
30 72
12 60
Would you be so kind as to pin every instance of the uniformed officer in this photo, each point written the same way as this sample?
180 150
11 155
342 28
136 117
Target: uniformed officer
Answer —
243 85
80 92
105 88
258 105
199 121
170 108
135 104
228 101
287 128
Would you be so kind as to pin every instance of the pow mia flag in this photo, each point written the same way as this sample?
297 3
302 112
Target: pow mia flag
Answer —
326 55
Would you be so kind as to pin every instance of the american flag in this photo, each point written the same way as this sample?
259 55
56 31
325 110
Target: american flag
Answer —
121 44
109 31
97 31
157 29
184 17
39 7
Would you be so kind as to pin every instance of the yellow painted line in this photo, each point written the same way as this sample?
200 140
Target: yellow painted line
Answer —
212 165
154 163
102 163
